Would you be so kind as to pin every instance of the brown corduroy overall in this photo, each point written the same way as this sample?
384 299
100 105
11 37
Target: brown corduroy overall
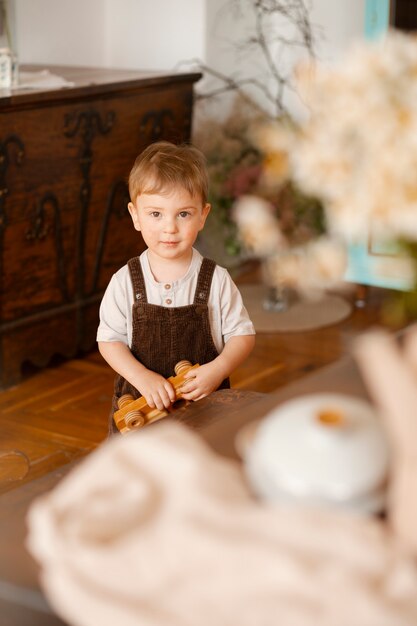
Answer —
163 336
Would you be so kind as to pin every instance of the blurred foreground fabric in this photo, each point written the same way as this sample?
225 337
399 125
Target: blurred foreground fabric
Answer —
155 529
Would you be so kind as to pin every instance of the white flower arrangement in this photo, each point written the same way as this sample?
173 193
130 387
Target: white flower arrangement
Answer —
356 151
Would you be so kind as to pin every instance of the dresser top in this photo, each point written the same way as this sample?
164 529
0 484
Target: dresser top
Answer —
87 82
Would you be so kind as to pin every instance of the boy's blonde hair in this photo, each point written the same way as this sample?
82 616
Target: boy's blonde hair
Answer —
163 165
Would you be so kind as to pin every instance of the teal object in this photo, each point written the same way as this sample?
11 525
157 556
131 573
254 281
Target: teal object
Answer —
377 14
364 269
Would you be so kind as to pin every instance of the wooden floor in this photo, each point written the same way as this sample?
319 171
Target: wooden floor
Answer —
60 413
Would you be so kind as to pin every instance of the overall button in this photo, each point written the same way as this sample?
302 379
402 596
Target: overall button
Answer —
167 286
168 301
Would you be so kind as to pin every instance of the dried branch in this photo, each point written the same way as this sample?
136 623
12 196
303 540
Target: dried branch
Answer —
295 14
228 83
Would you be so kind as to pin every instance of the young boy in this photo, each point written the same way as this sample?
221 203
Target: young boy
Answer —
170 304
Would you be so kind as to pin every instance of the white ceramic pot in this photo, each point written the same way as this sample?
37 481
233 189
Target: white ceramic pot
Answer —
321 449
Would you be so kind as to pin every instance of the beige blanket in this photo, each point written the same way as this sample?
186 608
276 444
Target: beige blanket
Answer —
154 529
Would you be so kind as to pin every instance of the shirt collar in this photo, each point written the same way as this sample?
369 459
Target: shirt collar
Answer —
195 263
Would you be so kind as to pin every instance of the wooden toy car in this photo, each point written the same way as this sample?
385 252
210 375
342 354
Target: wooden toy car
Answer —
134 414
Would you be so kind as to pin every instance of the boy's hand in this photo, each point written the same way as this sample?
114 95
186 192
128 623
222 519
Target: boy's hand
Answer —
156 390
201 381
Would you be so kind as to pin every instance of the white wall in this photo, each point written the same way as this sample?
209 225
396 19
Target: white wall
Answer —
138 34
159 34
341 22
154 34
67 32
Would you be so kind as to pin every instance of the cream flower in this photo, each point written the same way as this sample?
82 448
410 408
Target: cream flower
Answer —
275 140
308 269
258 227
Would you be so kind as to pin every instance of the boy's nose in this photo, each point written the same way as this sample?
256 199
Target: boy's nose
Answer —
170 226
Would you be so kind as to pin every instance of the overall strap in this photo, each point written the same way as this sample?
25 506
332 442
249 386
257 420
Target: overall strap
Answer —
205 276
138 281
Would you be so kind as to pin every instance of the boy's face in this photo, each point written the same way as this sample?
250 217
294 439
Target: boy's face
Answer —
169 222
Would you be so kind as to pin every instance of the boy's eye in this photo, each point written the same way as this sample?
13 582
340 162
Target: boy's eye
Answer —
184 214
155 214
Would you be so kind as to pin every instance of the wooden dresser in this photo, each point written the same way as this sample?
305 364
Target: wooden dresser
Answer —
65 155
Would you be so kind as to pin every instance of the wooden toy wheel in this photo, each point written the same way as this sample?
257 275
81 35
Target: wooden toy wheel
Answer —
182 367
134 419
124 400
